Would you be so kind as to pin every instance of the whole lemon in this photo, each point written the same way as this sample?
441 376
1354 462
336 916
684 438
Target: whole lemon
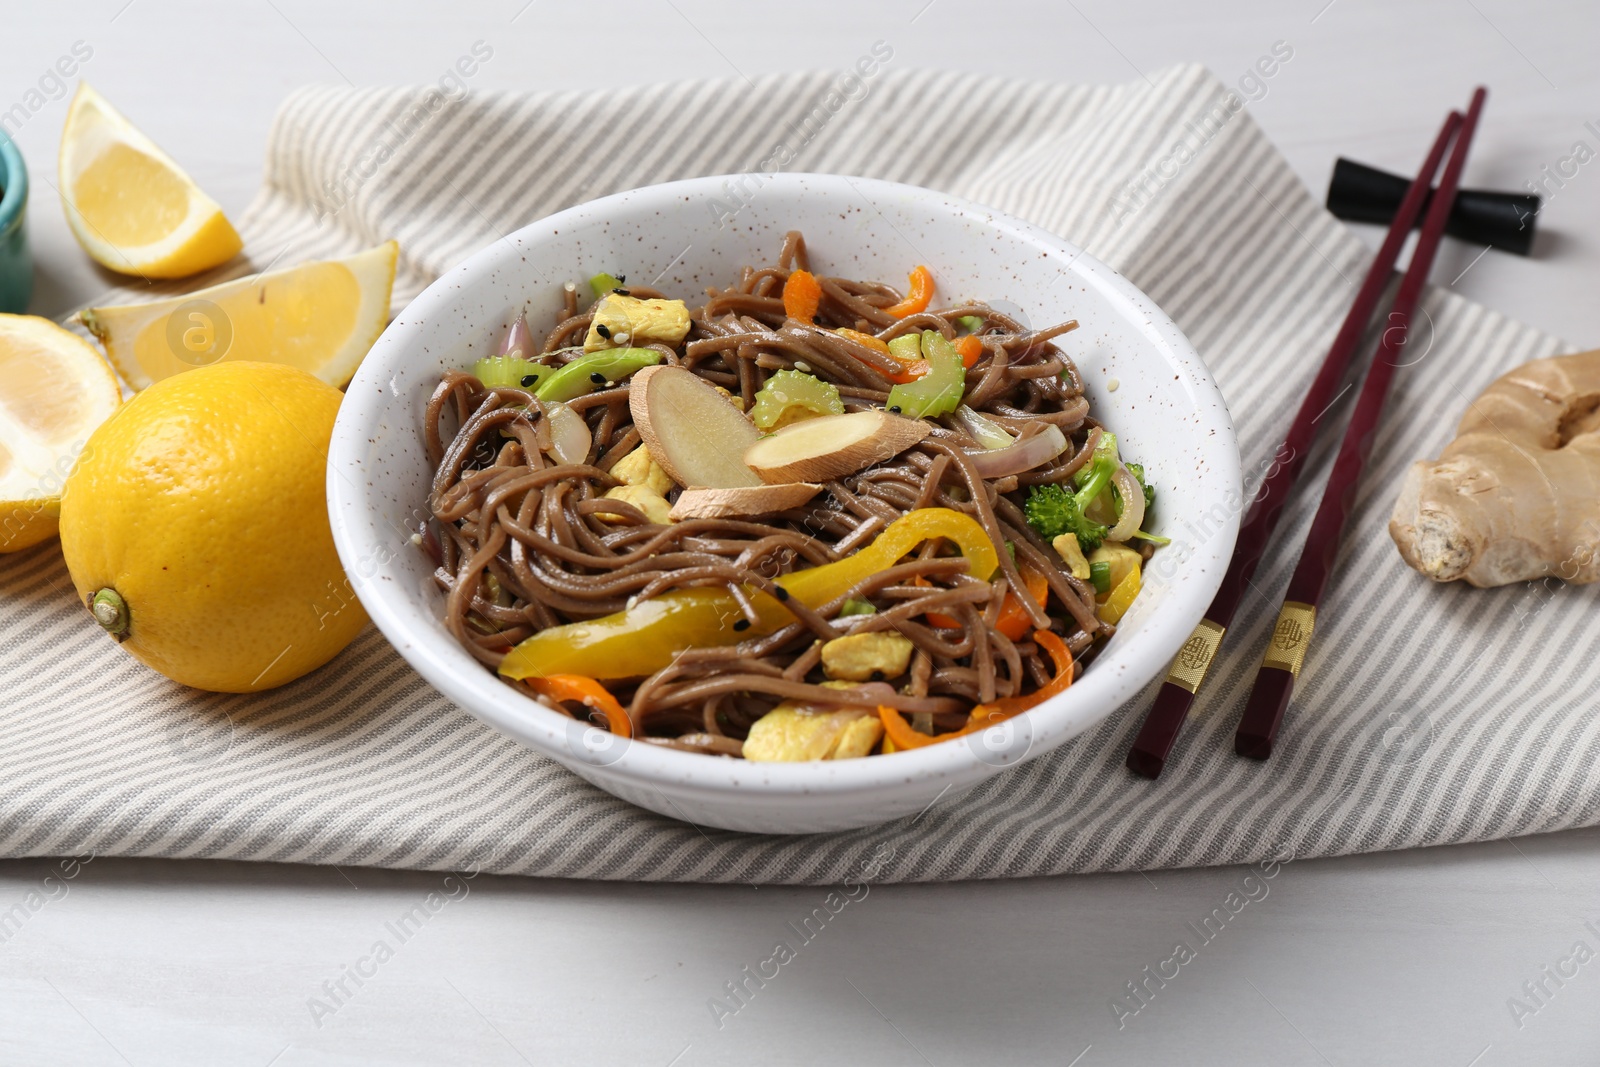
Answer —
195 527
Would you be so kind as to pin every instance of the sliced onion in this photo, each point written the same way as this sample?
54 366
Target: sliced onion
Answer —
1026 454
569 434
984 430
519 339
1132 494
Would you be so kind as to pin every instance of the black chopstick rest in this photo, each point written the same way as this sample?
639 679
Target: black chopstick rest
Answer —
1359 193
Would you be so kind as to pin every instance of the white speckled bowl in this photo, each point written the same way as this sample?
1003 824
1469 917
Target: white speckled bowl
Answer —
1143 378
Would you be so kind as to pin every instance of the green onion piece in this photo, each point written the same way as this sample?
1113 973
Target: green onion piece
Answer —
1154 539
857 606
907 347
790 396
939 391
603 284
971 323
509 372
587 373
1100 577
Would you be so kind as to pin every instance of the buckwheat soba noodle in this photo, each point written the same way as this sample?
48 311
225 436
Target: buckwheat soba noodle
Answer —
813 517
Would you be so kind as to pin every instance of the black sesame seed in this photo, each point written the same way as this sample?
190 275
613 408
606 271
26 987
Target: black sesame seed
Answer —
622 292
816 320
622 277
742 625
528 380
600 328
895 409
597 378
783 594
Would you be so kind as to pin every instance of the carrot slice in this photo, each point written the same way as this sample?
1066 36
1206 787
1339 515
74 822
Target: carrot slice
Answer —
919 296
969 348
590 693
865 339
1005 707
901 735
801 296
898 731
1014 620
910 370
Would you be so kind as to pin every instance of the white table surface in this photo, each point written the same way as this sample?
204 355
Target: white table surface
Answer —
1401 958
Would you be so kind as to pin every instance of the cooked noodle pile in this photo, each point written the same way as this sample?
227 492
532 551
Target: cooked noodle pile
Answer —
524 542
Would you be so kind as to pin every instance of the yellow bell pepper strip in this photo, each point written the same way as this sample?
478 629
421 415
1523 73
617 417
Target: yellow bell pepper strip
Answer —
1121 599
918 297
594 696
899 732
801 296
645 638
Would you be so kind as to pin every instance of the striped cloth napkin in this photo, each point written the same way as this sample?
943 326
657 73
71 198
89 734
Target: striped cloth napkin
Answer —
1425 714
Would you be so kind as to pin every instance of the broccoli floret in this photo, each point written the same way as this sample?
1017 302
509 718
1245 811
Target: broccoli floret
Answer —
1052 511
1149 490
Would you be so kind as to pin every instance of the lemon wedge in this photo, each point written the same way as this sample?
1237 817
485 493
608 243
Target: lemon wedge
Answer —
54 391
321 317
129 205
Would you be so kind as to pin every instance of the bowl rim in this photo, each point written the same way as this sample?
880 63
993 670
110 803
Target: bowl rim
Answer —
1090 700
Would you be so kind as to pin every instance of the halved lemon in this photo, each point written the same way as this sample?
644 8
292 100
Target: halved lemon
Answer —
129 205
321 317
54 390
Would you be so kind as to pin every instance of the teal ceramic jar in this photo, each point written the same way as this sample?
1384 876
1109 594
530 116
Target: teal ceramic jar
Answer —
16 265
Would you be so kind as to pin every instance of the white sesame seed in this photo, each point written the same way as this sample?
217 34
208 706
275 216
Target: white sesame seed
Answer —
1113 385
802 366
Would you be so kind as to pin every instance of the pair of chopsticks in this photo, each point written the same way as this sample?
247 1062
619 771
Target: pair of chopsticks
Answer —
1291 635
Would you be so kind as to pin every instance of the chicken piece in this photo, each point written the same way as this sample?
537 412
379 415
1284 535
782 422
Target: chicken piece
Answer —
857 657
795 732
859 738
1071 554
637 468
629 322
646 499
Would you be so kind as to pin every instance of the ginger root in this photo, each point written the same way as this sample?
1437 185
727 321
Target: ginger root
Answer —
1516 496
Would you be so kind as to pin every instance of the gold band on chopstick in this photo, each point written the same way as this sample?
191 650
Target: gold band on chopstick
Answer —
1291 637
1194 658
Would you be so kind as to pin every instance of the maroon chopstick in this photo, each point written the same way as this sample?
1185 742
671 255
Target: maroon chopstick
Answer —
1171 706
1263 715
